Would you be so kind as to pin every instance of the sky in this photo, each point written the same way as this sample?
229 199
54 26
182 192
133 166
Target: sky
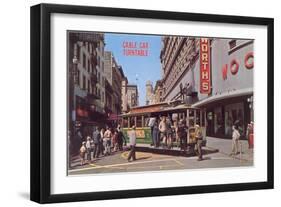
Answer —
137 69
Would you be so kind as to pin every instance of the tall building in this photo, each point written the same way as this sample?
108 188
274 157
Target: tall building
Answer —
114 75
158 92
178 57
132 95
214 74
149 93
125 105
154 95
86 64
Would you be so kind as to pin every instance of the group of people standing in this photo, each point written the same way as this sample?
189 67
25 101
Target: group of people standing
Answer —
162 131
166 132
102 142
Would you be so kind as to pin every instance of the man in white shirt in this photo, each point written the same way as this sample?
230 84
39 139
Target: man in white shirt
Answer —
89 149
132 136
235 140
107 137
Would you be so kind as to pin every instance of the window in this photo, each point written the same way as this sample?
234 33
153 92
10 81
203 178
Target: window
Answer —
133 102
103 81
102 97
132 121
88 47
125 122
98 60
84 83
218 121
98 78
78 78
139 121
84 61
78 51
89 86
94 90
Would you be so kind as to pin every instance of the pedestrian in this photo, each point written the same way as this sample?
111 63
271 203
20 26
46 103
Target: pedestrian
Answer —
115 141
249 133
151 125
82 153
235 140
199 141
163 130
120 138
96 141
132 136
182 134
176 127
155 134
169 133
88 148
80 137
107 137
102 145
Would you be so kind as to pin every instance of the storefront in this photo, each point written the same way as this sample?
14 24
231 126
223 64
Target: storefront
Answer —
224 112
88 116
229 98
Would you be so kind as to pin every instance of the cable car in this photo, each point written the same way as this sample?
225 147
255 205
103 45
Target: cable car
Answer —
141 117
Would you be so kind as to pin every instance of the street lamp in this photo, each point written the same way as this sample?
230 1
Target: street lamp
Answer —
74 69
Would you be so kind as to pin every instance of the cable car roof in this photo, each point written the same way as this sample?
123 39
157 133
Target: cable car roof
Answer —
159 109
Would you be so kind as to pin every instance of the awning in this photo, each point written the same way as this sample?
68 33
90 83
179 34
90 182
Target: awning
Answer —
224 95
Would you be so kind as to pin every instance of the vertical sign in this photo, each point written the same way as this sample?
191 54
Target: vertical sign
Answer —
205 75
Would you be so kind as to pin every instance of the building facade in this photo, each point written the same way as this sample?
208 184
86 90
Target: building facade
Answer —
86 82
125 105
178 56
229 79
158 92
154 94
114 76
132 96
149 93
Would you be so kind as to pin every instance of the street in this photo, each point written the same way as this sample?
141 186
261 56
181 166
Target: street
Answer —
146 161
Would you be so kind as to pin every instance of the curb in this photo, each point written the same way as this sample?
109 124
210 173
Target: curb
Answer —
174 152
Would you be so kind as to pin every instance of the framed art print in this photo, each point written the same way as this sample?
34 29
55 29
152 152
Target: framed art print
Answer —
132 103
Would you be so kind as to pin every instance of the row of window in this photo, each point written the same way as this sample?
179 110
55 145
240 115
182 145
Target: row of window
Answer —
89 87
89 67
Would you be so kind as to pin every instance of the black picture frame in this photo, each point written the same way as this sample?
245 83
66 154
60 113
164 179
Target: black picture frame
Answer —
41 96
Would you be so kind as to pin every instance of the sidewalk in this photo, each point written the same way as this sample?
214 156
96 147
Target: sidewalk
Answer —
224 147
